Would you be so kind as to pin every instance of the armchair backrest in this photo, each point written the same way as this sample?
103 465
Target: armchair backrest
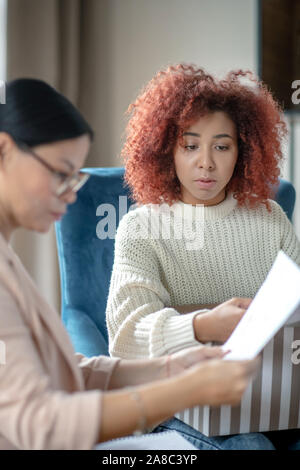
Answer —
85 242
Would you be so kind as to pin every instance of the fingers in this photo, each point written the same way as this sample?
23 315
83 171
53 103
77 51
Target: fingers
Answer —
213 352
244 371
227 351
205 352
241 302
251 367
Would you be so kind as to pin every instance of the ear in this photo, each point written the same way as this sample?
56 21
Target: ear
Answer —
7 144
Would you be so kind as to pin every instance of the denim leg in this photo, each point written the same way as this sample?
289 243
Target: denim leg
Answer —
249 441
245 441
196 438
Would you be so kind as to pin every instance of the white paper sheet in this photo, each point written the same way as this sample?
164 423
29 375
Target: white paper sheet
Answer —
294 319
276 300
166 440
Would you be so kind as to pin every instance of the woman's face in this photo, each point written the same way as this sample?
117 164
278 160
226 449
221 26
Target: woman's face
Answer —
205 159
28 188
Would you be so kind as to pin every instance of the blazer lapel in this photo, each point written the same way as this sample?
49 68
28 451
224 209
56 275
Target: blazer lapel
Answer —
38 309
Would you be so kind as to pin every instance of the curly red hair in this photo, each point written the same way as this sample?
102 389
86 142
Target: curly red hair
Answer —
177 97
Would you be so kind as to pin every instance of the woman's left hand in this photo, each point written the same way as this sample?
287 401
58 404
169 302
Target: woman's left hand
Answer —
182 360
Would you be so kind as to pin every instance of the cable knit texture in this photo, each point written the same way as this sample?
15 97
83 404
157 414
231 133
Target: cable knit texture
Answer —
187 255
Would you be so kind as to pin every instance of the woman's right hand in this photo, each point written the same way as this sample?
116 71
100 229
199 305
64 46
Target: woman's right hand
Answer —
220 382
218 324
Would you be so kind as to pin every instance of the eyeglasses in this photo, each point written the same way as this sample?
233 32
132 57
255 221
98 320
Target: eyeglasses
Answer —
67 182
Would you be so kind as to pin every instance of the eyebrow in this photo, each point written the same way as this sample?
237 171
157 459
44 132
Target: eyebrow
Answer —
218 136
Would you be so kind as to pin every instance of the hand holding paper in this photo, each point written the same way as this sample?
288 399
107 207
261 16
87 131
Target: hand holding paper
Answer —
275 302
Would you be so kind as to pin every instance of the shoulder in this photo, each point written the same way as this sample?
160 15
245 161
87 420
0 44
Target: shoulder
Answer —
12 278
135 213
12 298
273 222
276 214
275 211
134 220
276 208
133 236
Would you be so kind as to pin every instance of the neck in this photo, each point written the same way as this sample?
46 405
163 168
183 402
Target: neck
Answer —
208 213
6 224
188 198
208 203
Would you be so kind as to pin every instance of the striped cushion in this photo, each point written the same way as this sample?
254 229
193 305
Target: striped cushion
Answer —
270 403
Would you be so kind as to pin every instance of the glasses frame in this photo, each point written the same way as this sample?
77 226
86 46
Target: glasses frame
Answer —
72 182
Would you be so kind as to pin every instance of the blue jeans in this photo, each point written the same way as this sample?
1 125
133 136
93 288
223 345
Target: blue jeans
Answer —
247 441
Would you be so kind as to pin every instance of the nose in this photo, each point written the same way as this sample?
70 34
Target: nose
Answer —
205 159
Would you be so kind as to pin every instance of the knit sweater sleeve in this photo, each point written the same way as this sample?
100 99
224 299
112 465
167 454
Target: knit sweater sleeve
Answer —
140 323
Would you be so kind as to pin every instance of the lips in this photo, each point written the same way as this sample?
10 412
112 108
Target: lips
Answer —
205 183
206 180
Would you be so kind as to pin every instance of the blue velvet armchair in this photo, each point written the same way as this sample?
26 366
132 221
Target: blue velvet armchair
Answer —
86 252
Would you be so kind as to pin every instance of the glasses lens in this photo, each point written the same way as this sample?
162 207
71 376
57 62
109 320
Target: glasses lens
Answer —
73 183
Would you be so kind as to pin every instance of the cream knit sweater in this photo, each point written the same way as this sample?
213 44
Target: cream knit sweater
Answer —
202 255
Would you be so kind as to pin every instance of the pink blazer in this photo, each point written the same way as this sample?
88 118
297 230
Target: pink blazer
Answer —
50 397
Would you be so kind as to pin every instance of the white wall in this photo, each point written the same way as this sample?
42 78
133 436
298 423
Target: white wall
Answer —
3 39
146 35
46 279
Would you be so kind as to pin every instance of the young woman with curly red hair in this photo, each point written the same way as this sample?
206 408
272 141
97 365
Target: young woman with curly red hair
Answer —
202 155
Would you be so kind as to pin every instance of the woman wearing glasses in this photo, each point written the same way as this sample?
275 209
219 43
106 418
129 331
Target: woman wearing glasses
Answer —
50 397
